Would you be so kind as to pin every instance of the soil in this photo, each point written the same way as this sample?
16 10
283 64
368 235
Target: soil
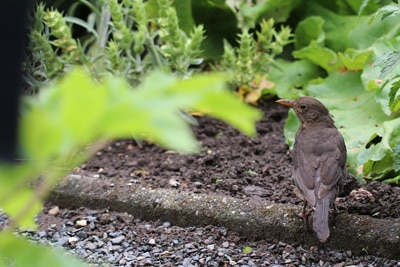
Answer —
234 164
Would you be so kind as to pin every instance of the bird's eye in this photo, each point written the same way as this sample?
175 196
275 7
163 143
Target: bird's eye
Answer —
303 107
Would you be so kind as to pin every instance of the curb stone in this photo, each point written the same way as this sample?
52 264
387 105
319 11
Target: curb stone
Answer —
251 218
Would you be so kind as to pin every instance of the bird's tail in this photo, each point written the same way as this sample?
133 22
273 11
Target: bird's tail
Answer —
320 219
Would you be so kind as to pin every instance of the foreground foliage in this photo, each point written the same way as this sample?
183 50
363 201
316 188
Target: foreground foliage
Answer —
63 125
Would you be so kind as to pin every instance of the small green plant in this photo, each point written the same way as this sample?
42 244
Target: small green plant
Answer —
120 39
251 172
247 250
251 60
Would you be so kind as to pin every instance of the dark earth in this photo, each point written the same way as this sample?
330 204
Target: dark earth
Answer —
233 164
230 163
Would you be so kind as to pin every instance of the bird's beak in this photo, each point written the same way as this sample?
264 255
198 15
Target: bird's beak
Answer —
285 102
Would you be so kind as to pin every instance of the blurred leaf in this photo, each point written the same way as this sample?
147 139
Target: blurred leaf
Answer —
13 206
64 116
185 16
210 95
357 7
17 252
363 6
386 11
62 120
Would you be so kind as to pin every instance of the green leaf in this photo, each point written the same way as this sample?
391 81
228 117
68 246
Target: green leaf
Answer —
309 29
354 60
247 250
279 10
17 252
291 77
386 11
62 120
185 16
205 93
381 158
14 207
64 116
389 61
396 157
219 22
319 55
342 32
218 102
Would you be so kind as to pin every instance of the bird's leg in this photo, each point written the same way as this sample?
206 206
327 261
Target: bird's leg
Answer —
304 215
335 212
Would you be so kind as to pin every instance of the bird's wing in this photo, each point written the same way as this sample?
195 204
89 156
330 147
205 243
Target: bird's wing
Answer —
305 165
319 163
333 164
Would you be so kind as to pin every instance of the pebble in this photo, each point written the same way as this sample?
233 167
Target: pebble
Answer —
131 242
73 239
81 222
117 240
54 211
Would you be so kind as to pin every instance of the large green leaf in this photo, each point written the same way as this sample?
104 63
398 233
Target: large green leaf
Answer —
356 32
319 55
291 77
309 29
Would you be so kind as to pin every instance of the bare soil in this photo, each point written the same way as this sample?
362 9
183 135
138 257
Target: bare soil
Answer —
231 163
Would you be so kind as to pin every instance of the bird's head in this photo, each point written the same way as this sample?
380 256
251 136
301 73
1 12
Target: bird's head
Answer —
308 109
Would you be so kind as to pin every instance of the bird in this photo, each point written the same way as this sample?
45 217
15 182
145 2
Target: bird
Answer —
319 161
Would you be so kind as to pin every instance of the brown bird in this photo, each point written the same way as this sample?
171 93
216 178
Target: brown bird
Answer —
319 161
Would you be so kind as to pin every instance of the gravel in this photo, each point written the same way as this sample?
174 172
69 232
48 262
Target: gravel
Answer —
118 239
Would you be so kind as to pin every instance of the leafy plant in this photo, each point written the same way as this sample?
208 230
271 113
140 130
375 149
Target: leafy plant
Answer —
120 39
344 47
251 60
59 130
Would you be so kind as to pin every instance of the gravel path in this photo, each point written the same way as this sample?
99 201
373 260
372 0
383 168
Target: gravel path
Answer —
106 238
